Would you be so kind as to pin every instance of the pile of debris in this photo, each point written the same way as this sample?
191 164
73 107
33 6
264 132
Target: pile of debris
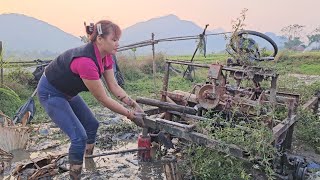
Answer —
41 167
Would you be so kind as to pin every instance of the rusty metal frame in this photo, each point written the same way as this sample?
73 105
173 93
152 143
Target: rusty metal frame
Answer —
280 130
182 131
164 125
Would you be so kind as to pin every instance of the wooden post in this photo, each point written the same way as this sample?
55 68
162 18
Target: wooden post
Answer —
170 167
273 92
153 56
1 64
165 81
153 64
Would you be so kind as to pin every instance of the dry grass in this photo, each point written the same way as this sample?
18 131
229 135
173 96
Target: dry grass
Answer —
143 65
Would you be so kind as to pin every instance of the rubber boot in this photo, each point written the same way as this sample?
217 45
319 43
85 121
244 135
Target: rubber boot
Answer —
75 171
89 149
89 162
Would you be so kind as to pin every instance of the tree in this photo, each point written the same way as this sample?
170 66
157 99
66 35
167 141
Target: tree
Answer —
293 31
291 44
314 36
293 34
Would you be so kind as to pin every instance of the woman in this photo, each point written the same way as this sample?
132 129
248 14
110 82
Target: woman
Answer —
77 70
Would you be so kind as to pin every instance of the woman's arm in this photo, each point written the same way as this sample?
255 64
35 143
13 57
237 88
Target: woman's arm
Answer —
117 91
97 90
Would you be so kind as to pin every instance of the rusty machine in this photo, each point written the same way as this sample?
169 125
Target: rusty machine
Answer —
225 92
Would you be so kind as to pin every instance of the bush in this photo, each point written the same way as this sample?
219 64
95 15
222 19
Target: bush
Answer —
137 69
18 80
130 72
9 102
146 64
23 91
209 164
308 129
20 76
17 83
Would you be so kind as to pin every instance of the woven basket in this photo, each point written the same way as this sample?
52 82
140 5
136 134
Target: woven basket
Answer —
12 137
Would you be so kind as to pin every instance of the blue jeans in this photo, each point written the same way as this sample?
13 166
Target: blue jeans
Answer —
72 116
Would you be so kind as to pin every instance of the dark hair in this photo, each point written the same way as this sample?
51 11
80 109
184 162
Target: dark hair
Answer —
106 28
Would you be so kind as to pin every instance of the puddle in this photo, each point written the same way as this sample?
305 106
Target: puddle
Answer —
20 155
121 166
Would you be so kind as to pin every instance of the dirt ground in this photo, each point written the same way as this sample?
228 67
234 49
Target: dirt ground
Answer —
115 133
307 79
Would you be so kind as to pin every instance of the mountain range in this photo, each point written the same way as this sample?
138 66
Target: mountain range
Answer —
26 36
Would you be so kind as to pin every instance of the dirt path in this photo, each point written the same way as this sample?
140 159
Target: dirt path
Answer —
308 79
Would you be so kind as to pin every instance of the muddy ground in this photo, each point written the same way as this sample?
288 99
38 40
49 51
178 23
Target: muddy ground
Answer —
115 133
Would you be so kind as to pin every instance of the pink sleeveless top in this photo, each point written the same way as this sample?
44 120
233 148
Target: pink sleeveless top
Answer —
87 69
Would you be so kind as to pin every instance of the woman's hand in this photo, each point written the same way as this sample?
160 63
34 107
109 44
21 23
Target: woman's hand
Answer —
137 118
137 107
132 103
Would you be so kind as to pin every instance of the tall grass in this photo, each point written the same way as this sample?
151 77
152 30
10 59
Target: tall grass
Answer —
300 63
134 69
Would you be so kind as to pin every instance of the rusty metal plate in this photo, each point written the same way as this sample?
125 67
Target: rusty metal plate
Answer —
214 71
208 97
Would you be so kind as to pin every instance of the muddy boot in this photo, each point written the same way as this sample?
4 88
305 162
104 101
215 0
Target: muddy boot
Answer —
75 171
89 149
89 162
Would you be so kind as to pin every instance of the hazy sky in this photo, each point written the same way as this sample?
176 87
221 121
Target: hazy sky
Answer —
262 15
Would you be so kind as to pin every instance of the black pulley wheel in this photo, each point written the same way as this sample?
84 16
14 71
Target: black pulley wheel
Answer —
234 44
